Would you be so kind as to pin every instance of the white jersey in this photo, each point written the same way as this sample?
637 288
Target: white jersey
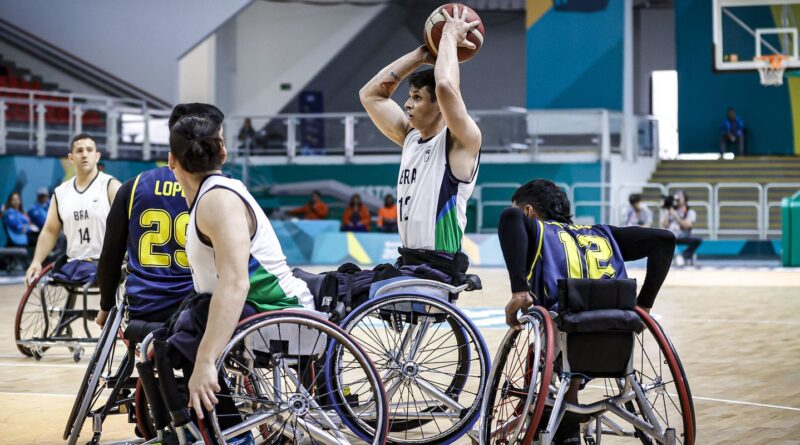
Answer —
431 201
272 285
83 216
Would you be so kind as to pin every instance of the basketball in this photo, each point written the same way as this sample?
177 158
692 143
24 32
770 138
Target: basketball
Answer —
435 24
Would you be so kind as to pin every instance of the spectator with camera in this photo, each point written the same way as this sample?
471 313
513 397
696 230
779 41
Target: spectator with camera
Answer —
678 218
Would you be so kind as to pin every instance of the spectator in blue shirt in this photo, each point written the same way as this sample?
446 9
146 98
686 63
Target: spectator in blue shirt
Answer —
16 222
38 213
731 132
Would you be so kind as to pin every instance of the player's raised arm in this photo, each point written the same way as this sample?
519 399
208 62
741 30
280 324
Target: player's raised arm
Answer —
376 95
465 132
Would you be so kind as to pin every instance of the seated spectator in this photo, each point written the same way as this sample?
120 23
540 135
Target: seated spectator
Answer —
356 216
637 214
38 213
731 133
247 135
312 210
678 218
16 221
387 215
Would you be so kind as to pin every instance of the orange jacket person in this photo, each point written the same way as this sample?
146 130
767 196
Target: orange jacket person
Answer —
314 209
356 216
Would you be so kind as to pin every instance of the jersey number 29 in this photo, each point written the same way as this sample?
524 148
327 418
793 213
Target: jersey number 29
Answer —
161 232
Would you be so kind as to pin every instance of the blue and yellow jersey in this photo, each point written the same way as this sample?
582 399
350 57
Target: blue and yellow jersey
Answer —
571 251
159 275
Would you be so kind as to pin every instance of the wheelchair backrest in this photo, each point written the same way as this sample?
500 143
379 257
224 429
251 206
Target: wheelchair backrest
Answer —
599 319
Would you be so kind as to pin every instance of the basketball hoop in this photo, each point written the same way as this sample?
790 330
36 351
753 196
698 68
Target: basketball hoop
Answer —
771 69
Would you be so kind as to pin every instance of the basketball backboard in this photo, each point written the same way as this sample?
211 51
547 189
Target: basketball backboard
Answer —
744 30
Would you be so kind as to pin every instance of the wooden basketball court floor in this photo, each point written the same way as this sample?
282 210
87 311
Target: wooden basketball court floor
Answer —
737 331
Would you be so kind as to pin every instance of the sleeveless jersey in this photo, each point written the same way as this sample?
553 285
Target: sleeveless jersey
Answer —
572 251
431 202
272 285
83 216
159 275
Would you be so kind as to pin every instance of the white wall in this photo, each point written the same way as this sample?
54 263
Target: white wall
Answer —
495 78
137 41
269 44
196 74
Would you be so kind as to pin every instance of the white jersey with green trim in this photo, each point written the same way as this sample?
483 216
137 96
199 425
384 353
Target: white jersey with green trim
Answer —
272 285
83 216
431 201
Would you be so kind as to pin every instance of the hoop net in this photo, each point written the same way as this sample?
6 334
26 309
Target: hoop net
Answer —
771 69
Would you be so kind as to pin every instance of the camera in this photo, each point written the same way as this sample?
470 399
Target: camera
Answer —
670 202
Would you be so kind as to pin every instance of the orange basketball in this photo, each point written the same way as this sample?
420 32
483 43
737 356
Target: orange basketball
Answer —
435 24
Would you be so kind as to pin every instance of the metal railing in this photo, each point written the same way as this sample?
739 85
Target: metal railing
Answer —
42 122
711 198
342 137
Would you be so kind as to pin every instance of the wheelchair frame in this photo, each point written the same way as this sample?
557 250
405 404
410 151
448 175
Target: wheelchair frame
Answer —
68 315
210 430
630 391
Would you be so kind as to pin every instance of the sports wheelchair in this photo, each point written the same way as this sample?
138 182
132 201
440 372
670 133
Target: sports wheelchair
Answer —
617 350
49 314
108 386
432 358
273 388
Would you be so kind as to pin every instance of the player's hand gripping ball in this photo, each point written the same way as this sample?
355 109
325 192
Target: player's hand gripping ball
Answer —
459 20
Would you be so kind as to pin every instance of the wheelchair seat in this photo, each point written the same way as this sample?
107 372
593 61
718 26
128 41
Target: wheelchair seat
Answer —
599 320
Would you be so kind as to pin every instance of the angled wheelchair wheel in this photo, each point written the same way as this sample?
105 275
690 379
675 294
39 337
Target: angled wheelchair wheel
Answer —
105 375
666 399
517 390
433 362
38 313
272 389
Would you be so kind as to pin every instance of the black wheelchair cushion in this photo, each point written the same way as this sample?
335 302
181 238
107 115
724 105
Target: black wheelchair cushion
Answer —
599 354
137 330
601 320
578 295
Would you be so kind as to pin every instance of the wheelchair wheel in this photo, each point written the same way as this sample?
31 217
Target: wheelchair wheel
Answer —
38 312
517 391
272 390
433 362
144 420
103 374
659 372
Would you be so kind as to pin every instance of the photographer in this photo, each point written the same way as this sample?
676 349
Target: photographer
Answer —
678 218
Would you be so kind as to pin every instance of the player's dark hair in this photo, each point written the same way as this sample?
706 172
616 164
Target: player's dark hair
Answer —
635 198
195 143
195 109
424 78
80 137
549 201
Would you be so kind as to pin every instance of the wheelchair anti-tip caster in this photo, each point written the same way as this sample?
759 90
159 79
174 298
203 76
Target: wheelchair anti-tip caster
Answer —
77 353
